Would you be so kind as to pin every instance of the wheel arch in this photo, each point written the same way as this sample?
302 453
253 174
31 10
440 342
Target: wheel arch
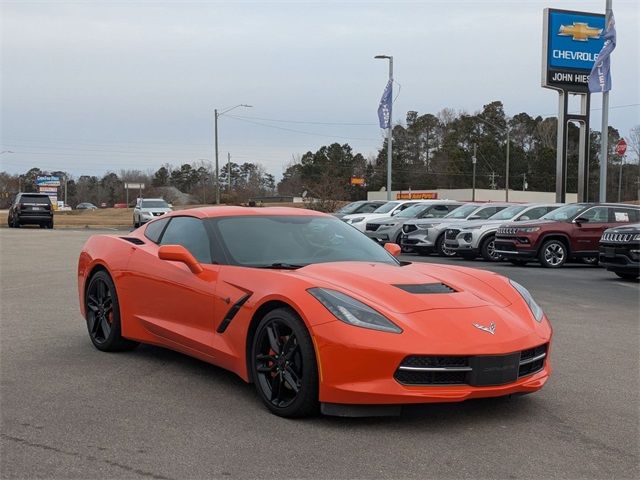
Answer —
555 236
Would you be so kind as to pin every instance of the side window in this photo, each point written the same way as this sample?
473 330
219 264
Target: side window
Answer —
623 215
404 206
153 230
487 212
191 234
596 215
437 211
534 213
368 208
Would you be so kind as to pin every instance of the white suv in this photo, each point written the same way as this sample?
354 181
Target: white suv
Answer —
388 210
147 209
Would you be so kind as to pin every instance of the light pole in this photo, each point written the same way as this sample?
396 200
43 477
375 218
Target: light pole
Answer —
389 133
216 116
473 185
506 130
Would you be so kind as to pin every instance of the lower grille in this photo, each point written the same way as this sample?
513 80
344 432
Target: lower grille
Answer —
461 370
372 227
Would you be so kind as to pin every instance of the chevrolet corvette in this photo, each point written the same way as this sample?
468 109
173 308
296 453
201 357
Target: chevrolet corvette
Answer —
312 312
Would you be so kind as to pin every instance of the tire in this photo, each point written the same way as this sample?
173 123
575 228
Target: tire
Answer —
488 250
283 365
628 275
553 254
103 315
518 263
442 250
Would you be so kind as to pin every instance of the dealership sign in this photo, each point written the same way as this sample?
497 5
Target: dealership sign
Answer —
570 46
417 196
48 181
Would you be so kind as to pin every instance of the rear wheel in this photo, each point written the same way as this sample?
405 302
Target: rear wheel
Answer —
627 275
553 254
442 249
103 315
283 365
488 250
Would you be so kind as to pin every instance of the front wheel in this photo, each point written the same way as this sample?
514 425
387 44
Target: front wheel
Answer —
553 254
488 250
283 365
442 249
103 315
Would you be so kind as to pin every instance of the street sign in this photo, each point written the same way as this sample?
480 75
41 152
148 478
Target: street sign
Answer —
621 147
134 186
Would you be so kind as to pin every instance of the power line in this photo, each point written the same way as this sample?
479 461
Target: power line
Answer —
303 122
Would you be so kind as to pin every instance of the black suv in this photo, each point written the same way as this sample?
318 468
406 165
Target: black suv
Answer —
31 208
620 251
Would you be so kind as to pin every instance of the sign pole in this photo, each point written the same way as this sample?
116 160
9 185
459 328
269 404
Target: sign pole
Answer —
604 136
390 132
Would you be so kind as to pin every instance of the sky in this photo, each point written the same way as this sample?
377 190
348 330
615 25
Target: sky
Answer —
95 86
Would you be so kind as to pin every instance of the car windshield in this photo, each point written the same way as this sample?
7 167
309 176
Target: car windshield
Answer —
292 241
154 204
508 213
413 211
350 208
387 207
463 211
564 213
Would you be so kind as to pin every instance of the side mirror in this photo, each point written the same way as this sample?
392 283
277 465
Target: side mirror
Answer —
395 212
177 253
581 220
523 218
393 248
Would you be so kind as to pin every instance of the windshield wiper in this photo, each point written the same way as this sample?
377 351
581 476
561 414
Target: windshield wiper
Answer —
282 266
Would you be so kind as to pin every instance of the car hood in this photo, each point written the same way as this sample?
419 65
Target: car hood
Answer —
479 223
635 228
387 219
530 223
393 288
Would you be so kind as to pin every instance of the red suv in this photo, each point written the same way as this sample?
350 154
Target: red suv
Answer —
570 232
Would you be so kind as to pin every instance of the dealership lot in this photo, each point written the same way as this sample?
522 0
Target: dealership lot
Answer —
71 411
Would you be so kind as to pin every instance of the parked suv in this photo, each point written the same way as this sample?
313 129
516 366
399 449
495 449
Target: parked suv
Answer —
389 229
359 220
31 208
147 209
477 237
570 232
620 251
425 236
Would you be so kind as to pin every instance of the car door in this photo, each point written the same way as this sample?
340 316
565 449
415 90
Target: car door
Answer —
588 228
171 301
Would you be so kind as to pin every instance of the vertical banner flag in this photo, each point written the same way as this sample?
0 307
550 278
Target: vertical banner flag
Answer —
600 76
384 109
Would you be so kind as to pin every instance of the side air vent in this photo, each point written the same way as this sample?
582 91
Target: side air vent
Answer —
426 288
134 240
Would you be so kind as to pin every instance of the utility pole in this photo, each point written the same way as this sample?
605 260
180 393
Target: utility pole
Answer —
524 182
228 173
506 175
389 129
604 136
493 185
473 184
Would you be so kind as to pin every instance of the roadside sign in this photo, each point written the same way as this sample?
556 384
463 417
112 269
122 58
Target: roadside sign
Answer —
48 181
621 147
134 186
357 181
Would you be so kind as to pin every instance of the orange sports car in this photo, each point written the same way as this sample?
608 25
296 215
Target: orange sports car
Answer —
311 311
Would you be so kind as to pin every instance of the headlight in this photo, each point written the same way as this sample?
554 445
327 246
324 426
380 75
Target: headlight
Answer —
533 306
528 229
388 225
355 220
425 225
353 312
473 228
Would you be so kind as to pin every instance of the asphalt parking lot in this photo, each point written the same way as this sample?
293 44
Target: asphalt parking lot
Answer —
69 411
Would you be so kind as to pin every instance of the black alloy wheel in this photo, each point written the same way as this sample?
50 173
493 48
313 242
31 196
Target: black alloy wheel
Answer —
103 314
442 249
488 250
283 365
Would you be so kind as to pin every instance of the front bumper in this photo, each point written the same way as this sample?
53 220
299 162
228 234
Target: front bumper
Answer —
418 238
383 234
512 248
620 258
361 368
31 218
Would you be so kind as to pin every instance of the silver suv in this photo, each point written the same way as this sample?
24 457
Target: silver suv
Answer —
389 229
147 209
426 236
477 237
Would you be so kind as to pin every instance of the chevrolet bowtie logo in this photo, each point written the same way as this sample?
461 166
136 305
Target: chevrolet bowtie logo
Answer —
581 32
